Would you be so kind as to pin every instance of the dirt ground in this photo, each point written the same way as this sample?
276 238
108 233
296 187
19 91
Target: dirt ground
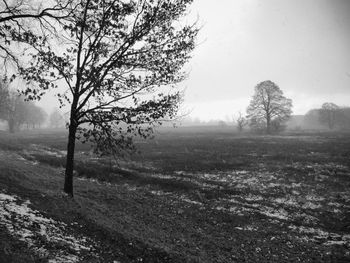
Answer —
189 196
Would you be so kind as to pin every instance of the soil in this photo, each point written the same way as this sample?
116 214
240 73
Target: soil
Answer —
195 197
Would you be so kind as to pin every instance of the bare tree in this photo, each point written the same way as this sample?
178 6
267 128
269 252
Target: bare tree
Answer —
118 57
241 122
268 109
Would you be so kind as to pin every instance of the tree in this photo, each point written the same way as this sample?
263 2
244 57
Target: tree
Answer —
56 120
312 119
28 23
343 118
222 123
268 109
329 114
241 122
35 115
118 57
4 94
15 112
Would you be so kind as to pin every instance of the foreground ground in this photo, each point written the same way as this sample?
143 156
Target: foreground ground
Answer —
188 196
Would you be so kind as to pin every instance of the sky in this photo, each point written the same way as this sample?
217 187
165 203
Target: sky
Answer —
301 45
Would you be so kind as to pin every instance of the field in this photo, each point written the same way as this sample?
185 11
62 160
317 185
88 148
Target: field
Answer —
189 195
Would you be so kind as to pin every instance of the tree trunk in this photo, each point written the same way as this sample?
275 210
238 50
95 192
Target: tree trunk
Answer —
68 181
268 124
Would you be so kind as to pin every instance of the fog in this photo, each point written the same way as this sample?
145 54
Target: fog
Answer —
301 46
250 164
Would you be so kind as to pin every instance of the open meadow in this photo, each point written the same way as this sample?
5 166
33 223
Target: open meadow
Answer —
188 195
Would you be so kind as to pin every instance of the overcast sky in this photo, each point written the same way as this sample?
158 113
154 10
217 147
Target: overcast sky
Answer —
301 45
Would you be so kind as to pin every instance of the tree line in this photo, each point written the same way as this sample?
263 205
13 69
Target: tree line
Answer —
269 112
19 113
330 116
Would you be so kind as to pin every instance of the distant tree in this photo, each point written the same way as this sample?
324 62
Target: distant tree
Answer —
241 122
190 121
4 96
30 114
268 109
329 114
312 119
117 58
15 112
40 116
222 123
35 115
343 118
56 119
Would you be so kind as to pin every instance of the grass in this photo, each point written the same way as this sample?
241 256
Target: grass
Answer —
196 195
